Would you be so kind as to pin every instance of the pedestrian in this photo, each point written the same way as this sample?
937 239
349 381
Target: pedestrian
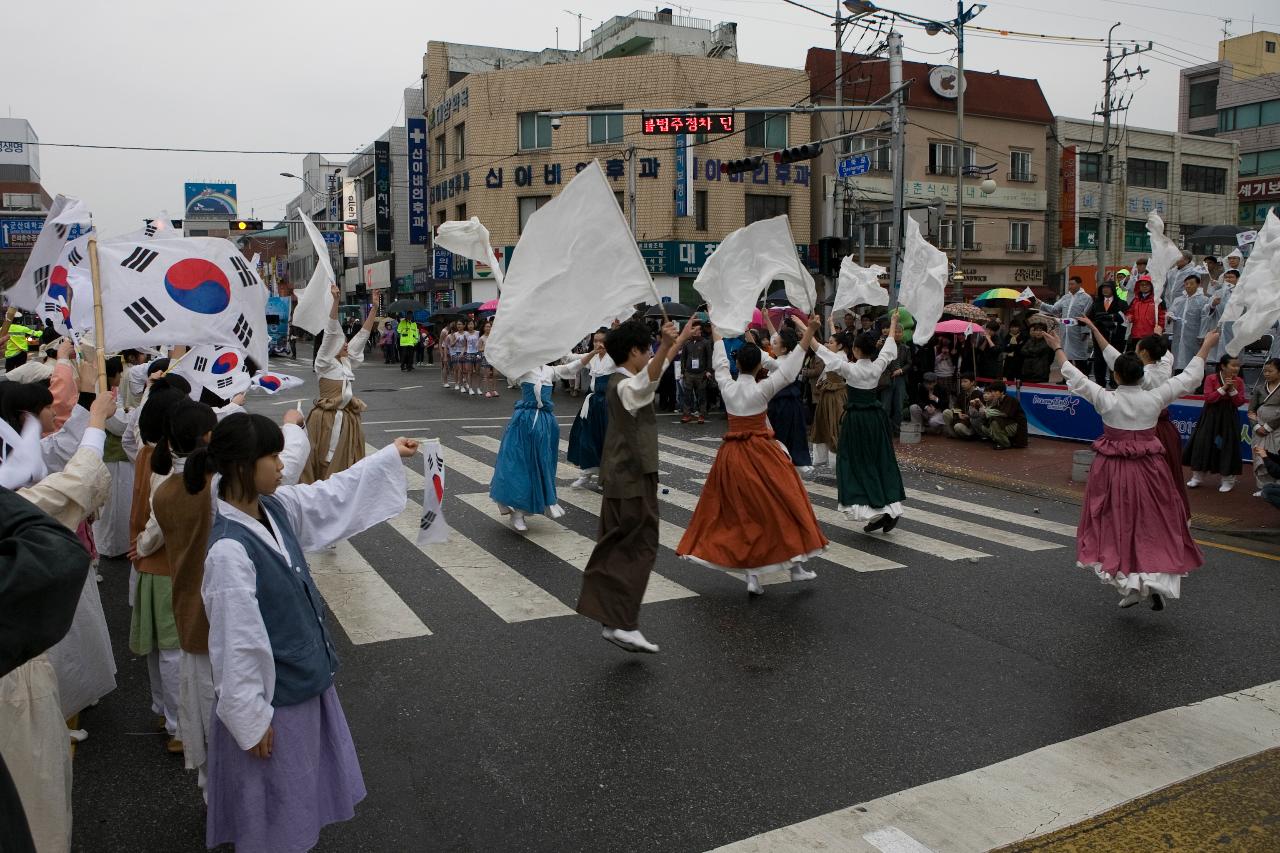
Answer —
1212 317
333 424
488 379
1107 314
830 395
929 404
1074 304
524 478
388 341
618 571
786 405
893 387
944 365
586 436
471 358
1264 413
989 354
407 334
754 515
869 482
1215 442
1145 315
457 360
282 764
111 522
1003 423
695 368
18 342
1186 318
1037 356
1175 277
1132 532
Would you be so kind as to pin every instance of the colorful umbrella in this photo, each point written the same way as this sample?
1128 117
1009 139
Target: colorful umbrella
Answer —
998 294
777 316
965 311
491 305
958 327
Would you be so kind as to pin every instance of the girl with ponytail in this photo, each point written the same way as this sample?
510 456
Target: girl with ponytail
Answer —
270 651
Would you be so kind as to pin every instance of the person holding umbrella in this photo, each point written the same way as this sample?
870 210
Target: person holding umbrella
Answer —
1075 303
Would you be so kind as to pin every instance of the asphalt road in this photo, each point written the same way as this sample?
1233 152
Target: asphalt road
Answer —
493 733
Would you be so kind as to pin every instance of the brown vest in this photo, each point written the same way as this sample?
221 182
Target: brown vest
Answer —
140 512
630 454
185 520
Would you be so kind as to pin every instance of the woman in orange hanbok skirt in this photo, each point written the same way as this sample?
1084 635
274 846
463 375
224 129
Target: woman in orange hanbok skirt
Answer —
753 515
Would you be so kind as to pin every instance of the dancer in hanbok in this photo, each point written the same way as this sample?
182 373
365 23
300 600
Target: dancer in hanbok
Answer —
333 425
753 514
830 396
1133 533
867 476
1157 367
524 479
1264 412
586 436
1214 447
282 764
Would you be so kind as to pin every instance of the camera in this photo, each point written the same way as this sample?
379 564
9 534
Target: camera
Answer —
556 122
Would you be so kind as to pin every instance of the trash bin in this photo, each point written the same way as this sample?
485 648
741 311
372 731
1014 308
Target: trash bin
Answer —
910 433
1081 461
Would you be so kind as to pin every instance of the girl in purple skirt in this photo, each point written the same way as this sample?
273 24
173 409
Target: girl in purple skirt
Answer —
1132 531
281 761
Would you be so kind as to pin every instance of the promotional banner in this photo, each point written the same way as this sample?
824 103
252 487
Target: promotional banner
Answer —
350 215
416 133
433 529
382 195
683 175
1067 197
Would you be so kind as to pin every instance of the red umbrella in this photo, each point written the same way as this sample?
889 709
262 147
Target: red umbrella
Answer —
777 316
491 305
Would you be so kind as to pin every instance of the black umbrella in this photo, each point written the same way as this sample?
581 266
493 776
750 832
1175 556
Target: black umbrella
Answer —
403 306
469 308
778 297
1217 235
674 309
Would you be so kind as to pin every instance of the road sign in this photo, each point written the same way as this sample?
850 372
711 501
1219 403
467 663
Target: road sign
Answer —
859 164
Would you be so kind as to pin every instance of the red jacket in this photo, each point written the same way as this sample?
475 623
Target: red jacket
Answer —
1143 318
1216 392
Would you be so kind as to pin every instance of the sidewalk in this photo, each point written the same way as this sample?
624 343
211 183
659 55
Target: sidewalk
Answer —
1044 469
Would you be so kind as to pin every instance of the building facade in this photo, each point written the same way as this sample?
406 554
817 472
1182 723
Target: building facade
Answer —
322 200
493 157
24 203
1238 98
1007 121
1188 179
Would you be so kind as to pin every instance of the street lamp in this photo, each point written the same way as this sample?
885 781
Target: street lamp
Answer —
333 250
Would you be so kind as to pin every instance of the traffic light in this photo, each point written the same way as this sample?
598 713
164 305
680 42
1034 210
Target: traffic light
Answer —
830 252
734 167
801 152
242 225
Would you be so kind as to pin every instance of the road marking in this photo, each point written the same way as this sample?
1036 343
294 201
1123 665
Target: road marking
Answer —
1049 788
411 388
566 419
366 606
575 549
564 471
1237 550
894 840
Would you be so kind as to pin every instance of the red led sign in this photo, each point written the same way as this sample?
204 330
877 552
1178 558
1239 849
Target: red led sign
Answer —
666 123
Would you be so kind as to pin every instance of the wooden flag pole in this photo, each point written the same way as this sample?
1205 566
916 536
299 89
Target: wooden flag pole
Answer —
100 336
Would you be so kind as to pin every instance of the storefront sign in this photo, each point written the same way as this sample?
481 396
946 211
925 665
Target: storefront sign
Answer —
683 167
382 195
1265 189
416 137
449 107
1067 196
442 264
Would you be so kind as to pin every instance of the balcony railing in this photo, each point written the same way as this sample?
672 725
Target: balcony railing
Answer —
1022 177
968 247
943 170
1019 247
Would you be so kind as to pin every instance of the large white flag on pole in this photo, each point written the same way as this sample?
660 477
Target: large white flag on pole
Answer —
315 303
1258 293
1164 254
188 290
471 240
924 282
42 287
576 268
742 266
858 285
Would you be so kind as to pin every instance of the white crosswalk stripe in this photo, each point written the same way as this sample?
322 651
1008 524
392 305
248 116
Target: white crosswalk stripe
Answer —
364 604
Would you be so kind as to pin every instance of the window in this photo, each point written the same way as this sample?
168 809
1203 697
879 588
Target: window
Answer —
942 158
947 233
442 157
1208 131
1153 174
1019 236
1020 166
766 207
700 210
1091 167
1203 179
1261 114
1260 163
1089 231
1136 238
1203 99
622 200
606 129
459 143
367 189
529 205
1270 46
766 130
876 147
535 131
456 77
461 213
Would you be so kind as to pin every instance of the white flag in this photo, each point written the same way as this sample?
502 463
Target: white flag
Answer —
1258 292
42 287
187 290
1027 295
315 302
858 285
742 266
471 240
158 228
21 458
223 370
433 529
274 383
924 282
1164 254
576 268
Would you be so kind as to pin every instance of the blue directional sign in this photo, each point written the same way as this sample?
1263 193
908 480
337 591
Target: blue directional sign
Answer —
859 164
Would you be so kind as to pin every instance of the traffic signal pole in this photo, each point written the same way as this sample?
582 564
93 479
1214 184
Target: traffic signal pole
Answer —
899 171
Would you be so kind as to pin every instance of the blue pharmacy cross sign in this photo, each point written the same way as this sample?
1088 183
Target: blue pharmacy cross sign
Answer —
859 164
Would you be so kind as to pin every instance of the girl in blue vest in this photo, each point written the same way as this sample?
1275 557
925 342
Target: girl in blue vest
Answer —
281 761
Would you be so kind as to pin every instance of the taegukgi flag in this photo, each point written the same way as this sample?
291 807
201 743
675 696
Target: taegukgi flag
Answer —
42 287
189 290
433 529
222 370
270 382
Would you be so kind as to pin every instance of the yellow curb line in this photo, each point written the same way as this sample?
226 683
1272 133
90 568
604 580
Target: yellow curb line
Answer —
1233 548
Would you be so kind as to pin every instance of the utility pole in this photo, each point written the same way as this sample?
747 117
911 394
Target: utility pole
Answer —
960 153
631 189
899 164
836 226
1104 159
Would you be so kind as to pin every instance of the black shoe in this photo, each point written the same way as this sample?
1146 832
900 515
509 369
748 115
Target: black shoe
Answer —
889 523
875 524
1157 601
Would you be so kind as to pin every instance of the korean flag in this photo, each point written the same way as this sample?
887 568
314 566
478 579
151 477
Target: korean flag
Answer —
224 371
433 529
274 383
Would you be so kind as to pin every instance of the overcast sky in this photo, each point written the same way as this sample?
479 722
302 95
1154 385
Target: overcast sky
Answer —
327 76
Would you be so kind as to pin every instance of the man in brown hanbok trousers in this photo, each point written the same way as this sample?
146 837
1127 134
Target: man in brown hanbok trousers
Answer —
616 575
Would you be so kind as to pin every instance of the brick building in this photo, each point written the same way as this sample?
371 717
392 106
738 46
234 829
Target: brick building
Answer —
492 157
23 201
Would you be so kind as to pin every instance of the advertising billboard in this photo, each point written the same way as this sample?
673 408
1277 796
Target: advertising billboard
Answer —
210 200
